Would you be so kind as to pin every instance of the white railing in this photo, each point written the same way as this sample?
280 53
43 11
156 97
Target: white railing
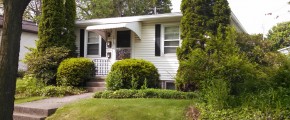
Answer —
102 66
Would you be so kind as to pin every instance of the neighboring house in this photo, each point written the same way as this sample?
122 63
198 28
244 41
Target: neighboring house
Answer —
150 37
285 50
28 37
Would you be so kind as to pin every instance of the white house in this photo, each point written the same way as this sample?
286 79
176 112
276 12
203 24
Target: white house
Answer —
150 37
285 50
28 37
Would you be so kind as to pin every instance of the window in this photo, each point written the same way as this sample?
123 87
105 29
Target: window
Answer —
93 44
171 39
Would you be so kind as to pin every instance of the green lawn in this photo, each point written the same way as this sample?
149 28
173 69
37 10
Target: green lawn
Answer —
124 109
27 99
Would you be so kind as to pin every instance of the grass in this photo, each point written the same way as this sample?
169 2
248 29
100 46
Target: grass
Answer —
124 109
27 99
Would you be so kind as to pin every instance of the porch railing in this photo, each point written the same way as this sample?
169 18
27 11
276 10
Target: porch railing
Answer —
102 66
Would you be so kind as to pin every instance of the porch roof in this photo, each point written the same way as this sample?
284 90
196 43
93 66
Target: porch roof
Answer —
103 29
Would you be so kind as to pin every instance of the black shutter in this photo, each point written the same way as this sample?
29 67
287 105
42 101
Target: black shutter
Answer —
157 39
82 42
103 48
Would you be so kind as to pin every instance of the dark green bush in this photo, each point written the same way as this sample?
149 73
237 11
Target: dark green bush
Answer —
145 93
132 74
43 65
75 71
282 76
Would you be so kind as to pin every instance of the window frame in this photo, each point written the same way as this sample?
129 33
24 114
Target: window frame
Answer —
87 43
163 26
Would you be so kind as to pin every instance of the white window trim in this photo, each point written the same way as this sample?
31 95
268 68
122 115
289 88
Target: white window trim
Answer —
163 38
86 46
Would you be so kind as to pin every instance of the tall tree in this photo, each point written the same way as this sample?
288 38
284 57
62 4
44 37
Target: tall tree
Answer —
280 35
9 54
201 22
70 17
117 8
51 27
195 23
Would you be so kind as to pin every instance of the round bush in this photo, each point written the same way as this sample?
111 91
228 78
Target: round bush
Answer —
132 74
75 71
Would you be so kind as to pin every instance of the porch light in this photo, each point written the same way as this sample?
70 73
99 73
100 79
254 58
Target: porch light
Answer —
109 44
109 54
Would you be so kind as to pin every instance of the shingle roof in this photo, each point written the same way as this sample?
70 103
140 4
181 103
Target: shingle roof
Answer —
27 26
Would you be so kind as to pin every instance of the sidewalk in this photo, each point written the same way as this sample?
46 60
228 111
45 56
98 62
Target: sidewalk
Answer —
39 110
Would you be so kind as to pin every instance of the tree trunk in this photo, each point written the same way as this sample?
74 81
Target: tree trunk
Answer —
9 54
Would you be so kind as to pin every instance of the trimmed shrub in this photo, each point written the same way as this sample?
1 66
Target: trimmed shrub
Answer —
132 74
145 93
75 71
43 65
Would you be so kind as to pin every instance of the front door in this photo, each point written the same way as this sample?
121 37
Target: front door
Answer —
123 48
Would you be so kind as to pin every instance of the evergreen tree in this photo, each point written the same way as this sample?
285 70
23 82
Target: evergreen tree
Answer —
51 26
222 13
197 17
206 42
69 34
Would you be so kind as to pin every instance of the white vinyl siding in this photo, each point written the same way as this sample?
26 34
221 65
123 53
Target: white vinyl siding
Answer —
144 49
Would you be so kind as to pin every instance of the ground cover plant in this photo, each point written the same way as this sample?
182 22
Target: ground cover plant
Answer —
145 93
29 86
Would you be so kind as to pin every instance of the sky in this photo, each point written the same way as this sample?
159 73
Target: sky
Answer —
256 16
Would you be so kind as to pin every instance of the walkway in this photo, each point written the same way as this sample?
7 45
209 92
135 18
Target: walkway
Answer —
39 110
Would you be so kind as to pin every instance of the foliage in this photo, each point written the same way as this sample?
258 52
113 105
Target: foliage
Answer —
43 65
264 104
69 33
132 74
51 26
75 71
216 93
56 27
201 18
145 93
123 109
117 8
279 34
219 60
59 91
29 86
282 75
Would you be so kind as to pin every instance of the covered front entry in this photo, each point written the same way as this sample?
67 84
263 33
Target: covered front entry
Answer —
123 45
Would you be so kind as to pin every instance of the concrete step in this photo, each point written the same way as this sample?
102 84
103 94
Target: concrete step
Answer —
97 80
96 84
95 89
20 116
33 111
